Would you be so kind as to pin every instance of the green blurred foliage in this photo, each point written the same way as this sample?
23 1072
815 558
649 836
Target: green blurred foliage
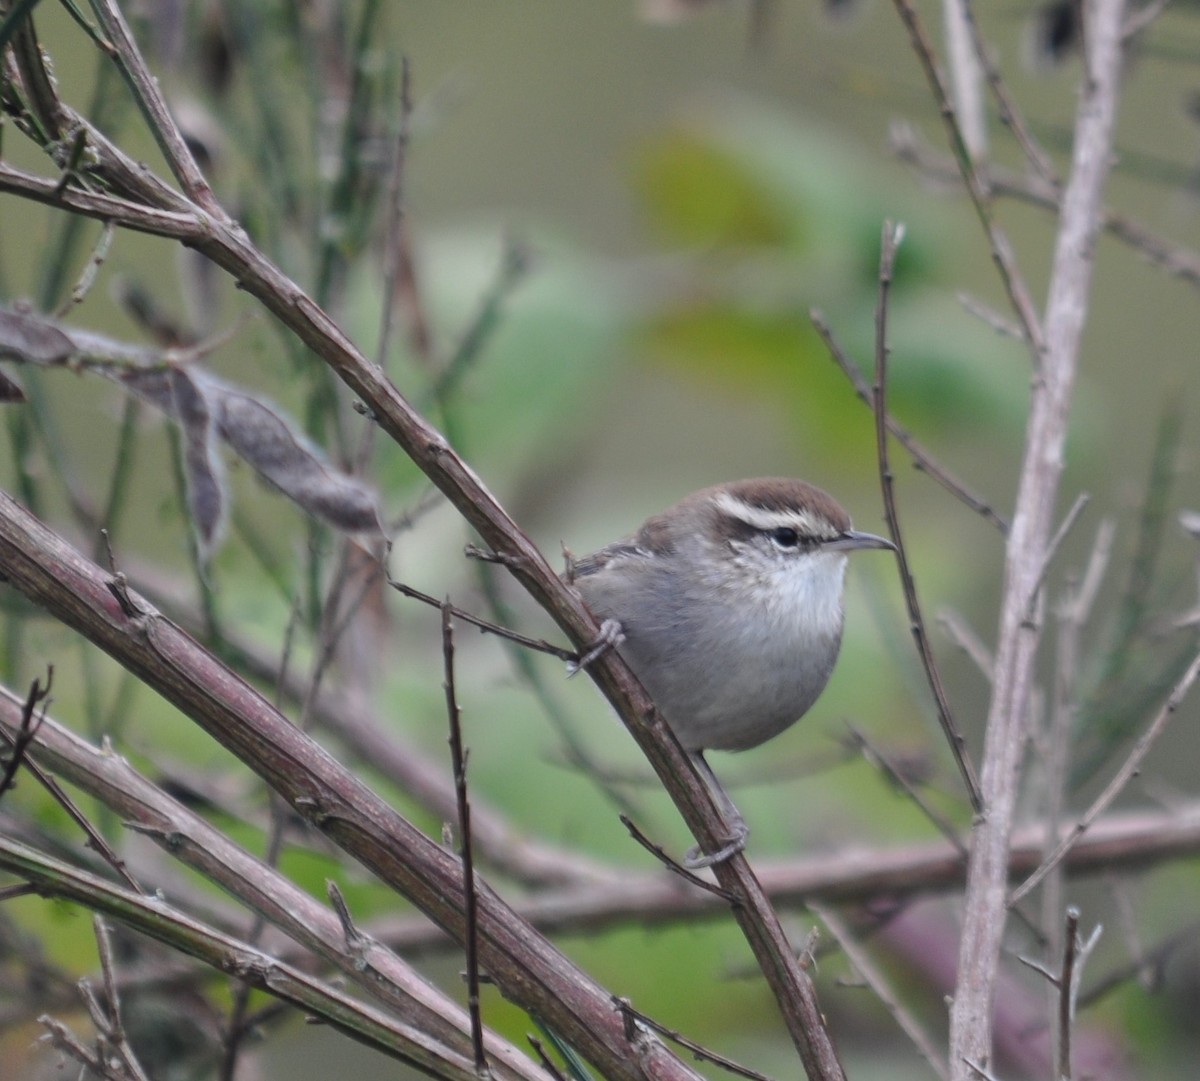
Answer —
700 194
521 390
777 219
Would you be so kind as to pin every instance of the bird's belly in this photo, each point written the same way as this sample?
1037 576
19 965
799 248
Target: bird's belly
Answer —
732 699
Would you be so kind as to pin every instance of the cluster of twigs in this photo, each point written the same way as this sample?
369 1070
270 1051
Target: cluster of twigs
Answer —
154 633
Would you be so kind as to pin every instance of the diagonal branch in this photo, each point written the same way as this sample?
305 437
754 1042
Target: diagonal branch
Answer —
39 564
146 809
230 248
155 918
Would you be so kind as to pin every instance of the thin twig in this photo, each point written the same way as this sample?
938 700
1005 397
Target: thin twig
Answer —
69 1044
95 839
1066 996
547 1063
1002 326
154 107
878 759
660 854
879 984
922 458
91 270
483 624
699 1050
1128 770
1014 283
458 757
1010 115
1052 548
979 1070
30 720
965 637
1072 616
892 236
113 1029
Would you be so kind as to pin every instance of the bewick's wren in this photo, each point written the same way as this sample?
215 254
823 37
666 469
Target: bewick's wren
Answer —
728 608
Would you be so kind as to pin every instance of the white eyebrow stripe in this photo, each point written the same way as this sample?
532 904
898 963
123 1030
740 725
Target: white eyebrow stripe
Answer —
803 521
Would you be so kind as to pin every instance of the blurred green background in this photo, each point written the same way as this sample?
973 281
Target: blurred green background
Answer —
683 196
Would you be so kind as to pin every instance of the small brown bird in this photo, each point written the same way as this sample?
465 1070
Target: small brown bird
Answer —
728 607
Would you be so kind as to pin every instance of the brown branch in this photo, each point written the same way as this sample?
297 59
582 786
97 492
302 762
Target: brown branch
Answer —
1066 992
534 973
20 740
153 105
458 757
141 217
371 738
155 918
861 876
188 838
892 235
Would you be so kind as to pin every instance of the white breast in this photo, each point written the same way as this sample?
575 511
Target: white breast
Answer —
733 665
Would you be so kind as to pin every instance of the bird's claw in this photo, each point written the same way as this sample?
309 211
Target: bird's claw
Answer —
696 858
609 637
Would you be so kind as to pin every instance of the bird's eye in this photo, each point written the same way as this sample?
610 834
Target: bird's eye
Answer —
785 537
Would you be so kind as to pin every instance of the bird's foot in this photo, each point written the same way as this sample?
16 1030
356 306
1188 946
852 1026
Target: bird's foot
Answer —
696 858
609 637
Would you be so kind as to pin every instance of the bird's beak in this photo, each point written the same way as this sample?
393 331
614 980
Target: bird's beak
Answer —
853 539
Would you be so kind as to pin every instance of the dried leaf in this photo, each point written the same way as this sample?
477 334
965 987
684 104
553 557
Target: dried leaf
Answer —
204 476
287 460
31 340
260 433
10 389
152 385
